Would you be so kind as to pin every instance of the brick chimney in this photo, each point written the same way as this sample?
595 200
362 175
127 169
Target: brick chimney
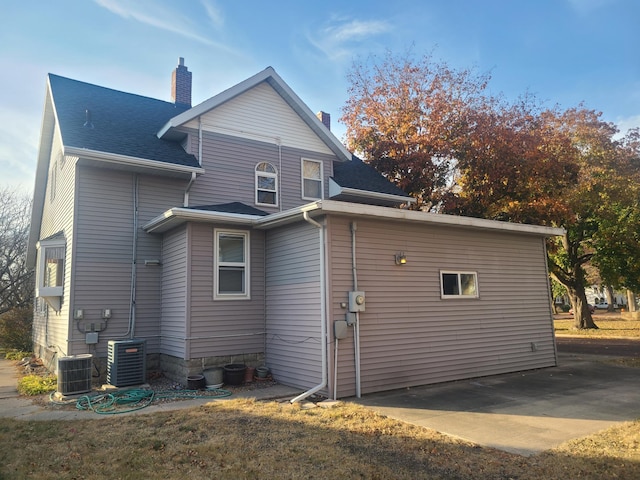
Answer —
325 118
181 84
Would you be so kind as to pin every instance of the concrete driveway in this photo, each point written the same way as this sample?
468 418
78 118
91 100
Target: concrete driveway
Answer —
523 413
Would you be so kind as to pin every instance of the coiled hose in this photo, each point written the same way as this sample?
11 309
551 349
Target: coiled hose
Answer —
136 399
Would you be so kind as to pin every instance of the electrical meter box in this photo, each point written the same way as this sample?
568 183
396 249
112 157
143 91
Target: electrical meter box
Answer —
356 301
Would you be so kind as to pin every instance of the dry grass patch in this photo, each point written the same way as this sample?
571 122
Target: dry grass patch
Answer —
609 326
244 439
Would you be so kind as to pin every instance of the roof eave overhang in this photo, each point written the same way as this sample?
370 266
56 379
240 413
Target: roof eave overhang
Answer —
47 131
136 163
385 198
395 214
177 216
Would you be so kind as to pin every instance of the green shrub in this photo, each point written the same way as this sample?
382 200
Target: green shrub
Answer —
566 308
15 329
16 354
36 384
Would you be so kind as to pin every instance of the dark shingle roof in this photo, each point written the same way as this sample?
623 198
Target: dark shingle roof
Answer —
123 123
358 175
233 207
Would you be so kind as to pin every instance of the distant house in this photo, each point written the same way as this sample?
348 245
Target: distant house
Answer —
242 230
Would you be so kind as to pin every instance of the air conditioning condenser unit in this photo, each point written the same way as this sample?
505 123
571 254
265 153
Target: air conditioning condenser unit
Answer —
126 362
74 374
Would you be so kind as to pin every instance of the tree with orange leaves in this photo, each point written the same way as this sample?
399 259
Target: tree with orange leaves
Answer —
406 118
434 132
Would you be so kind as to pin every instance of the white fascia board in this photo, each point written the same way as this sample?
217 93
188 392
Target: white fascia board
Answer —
279 85
354 192
126 160
375 212
178 215
47 130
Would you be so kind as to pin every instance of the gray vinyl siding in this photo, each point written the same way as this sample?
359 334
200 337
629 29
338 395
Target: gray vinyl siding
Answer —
104 253
50 328
223 327
294 305
175 281
409 335
230 162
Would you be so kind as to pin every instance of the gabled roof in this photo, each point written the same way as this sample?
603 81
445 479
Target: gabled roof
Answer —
121 124
269 75
355 181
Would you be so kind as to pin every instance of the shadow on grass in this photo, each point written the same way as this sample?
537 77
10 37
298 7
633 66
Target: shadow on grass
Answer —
241 439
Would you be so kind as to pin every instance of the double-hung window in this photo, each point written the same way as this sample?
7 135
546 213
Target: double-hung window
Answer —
311 179
231 265
50 272
266 184
458 284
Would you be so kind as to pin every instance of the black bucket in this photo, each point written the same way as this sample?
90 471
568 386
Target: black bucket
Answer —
234 373
196 382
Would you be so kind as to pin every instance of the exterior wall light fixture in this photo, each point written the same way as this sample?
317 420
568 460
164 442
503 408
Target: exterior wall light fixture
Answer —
401 258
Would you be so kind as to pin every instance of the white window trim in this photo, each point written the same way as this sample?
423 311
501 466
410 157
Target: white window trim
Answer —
266 174
216 264
302 178
42 246
460 295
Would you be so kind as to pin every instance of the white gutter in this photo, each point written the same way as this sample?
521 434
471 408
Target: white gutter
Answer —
178 215
335 190
323 311
126 160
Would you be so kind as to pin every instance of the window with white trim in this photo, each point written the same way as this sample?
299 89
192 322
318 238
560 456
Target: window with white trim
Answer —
266 184
311 179
458 284
50 273
231 264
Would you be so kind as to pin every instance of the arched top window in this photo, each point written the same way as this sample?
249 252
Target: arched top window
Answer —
266 184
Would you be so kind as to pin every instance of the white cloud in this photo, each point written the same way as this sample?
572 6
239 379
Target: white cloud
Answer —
214 13
156 15
624 124
341 38
587 6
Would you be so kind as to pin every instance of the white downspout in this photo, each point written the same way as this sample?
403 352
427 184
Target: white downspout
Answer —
323 311
185 202
356 329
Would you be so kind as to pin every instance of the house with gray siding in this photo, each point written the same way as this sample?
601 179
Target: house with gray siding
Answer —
241 230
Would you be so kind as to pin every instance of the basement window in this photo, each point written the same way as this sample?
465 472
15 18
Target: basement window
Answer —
458 284
231 265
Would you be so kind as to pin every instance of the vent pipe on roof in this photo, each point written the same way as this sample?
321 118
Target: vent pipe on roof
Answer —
181 84
87 121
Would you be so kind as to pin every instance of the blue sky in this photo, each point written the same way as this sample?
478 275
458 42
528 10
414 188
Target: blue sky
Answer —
563 51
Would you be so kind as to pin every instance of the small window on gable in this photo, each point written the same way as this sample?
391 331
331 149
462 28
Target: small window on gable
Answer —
50 272
231 265
266 184
311 179
459 284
